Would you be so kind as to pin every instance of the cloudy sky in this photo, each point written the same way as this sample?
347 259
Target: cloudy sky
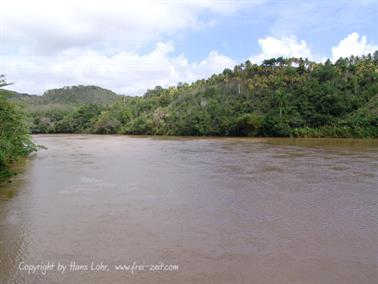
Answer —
130 47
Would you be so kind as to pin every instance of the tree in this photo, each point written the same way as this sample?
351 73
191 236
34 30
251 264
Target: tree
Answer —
280 97
248 124
106 124
14 135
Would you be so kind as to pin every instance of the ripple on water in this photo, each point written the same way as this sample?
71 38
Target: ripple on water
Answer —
225 210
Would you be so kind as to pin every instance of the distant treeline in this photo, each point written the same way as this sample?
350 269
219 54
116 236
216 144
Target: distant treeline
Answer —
281 97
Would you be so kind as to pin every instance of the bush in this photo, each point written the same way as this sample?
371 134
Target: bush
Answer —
248 124
14 136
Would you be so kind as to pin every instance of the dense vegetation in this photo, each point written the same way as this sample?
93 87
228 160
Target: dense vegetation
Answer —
66 98
14 135
280 97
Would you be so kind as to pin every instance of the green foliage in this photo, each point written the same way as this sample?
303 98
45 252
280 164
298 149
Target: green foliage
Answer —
14 136
248 124
280 97
106 123
67 98
80 95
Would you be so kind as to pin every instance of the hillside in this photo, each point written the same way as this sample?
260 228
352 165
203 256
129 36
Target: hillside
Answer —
66 98
280 97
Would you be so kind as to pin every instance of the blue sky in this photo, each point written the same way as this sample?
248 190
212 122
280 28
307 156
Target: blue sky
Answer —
132 47
322 24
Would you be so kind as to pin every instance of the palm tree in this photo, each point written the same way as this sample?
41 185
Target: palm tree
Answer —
281 99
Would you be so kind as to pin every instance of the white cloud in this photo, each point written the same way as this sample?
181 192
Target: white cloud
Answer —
283 46
52 43
123 72
47 26
132 73
353 44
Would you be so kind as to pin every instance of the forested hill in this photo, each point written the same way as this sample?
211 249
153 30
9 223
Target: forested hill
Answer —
66 98
280 97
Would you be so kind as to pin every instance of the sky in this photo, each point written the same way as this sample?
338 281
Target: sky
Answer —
132 46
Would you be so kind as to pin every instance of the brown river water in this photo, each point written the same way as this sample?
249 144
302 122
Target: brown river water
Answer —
186 210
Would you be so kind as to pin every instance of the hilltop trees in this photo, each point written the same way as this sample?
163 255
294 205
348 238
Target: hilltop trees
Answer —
280 97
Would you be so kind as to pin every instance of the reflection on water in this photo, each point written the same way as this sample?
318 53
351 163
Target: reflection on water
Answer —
225 210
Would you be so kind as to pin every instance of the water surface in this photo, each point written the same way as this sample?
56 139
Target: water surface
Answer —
225 210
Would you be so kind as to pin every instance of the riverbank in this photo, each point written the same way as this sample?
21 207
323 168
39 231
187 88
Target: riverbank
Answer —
14 169
14 135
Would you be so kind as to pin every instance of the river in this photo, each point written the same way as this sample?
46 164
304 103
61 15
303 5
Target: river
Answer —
192 210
